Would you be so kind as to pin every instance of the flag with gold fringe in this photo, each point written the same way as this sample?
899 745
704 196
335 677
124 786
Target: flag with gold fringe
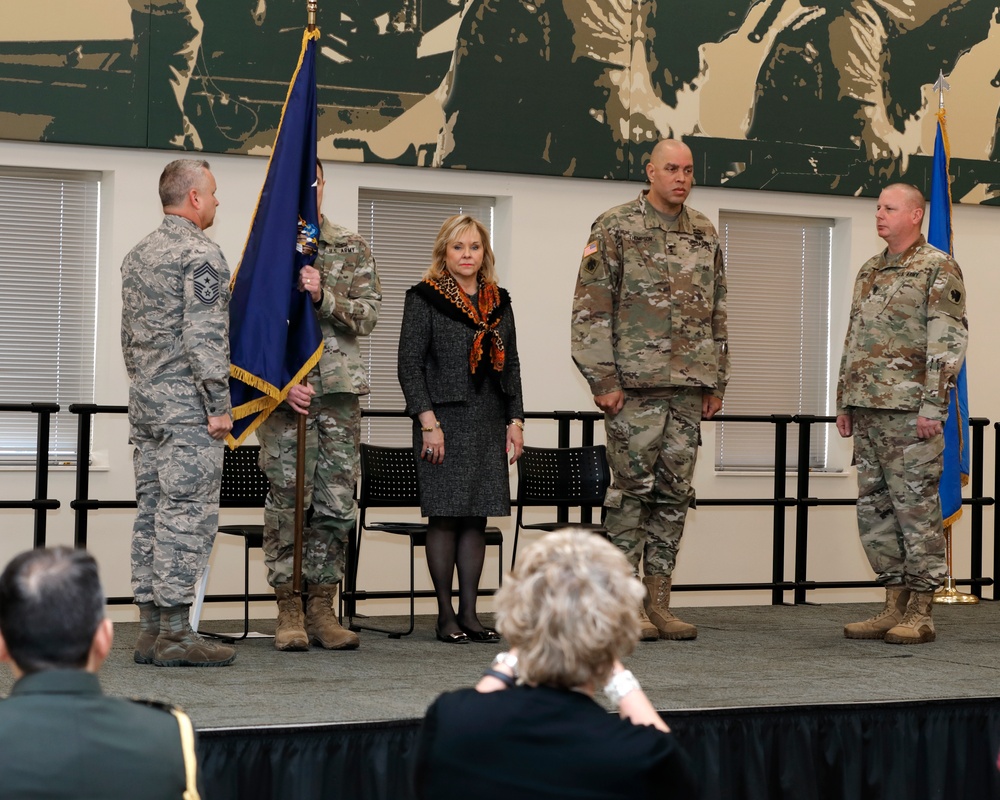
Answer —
955 472
275 338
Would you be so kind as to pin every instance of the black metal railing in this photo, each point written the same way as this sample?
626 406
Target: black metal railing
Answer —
580 426
41 503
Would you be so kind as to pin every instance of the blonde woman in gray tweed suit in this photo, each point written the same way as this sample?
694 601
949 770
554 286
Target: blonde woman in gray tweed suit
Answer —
459 371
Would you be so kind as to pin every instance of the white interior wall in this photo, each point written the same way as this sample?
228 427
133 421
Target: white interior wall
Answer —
542 225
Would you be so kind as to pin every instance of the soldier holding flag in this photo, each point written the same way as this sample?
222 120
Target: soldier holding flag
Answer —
304 290
344 288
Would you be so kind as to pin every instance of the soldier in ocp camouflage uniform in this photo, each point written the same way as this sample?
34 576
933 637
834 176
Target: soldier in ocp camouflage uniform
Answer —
175 340
905 344
649 335
347 295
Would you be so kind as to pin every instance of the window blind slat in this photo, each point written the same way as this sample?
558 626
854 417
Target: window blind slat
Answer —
49 240
778 271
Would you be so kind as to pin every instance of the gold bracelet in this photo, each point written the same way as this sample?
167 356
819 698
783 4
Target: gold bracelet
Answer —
428 430
516 422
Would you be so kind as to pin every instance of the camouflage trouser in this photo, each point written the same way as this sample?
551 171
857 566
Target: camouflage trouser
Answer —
652 448
178 469
333 433
899 508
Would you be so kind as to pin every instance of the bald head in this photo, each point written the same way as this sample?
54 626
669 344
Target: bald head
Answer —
668 149
899 215
670 172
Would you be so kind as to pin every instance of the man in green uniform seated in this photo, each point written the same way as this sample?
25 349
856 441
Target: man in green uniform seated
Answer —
60 737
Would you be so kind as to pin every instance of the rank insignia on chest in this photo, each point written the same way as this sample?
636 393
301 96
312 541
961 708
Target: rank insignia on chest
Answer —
307 241
206 284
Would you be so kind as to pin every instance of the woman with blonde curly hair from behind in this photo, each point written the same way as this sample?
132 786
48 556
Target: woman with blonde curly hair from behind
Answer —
531 727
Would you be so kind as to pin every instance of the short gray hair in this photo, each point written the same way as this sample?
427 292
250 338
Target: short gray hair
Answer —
913 195
180 177
570 607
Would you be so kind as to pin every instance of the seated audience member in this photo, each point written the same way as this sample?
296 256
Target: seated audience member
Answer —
531 728
60 737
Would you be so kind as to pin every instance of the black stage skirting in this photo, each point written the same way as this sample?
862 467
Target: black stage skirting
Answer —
928 750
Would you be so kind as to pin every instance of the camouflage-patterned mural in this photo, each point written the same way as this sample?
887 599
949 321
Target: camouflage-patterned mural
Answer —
826 97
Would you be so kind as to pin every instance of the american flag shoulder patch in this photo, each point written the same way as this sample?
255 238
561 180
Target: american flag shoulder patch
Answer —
590 249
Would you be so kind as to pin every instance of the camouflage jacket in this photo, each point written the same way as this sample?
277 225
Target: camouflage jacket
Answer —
349 307
650 303
907 334
175 326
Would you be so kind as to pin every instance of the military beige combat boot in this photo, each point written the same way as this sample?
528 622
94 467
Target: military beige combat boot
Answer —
658 608
322 624
290 633
149 629
180 646
647 630
896 598
916 626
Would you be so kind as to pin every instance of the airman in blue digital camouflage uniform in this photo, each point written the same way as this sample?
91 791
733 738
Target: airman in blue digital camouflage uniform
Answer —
175 339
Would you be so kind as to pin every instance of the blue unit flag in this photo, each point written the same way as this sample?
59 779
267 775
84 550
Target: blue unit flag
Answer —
275 338
955 473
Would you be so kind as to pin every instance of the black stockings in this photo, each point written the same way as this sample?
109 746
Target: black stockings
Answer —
456 542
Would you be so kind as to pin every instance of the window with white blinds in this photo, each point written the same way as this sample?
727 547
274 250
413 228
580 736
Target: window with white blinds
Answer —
778 271
49 239
401 227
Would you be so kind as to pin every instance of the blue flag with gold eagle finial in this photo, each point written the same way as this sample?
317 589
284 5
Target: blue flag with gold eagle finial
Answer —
955 469
274 335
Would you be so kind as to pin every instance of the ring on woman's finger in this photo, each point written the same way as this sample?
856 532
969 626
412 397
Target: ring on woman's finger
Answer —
429 452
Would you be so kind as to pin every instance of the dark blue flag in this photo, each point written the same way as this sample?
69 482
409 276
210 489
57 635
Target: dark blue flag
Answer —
275 338
955 472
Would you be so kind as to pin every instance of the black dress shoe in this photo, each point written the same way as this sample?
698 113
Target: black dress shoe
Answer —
451 638
486 635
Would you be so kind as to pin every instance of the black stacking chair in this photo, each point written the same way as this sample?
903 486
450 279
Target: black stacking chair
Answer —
561 477
244 485
389 480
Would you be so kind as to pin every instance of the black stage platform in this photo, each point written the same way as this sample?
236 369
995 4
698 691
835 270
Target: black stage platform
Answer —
770 701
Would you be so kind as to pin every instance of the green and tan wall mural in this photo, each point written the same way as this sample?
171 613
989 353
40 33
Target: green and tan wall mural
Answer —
821 97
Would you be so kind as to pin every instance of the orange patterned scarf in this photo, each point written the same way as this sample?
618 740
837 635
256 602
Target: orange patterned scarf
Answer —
484 315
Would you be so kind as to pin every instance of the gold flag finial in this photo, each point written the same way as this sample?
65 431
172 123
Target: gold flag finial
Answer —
311 8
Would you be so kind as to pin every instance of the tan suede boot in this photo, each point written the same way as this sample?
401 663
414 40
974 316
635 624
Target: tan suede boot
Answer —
149 629
916 626
322 624
896 598
180 646
658 608
290 633
647 630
